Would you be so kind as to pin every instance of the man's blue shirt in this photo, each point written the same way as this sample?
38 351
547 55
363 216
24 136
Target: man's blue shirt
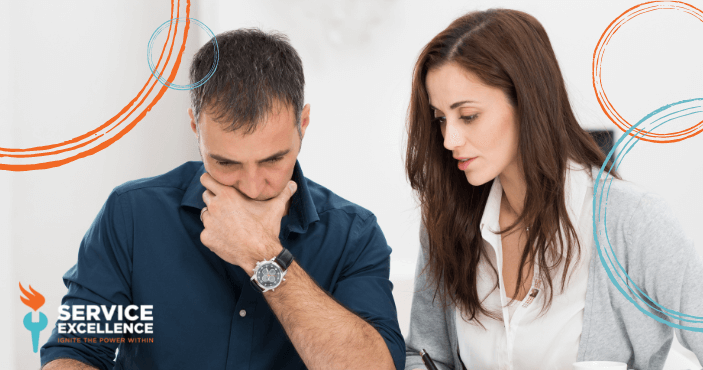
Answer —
144 249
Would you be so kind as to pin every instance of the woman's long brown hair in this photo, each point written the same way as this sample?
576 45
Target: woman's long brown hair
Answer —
509 50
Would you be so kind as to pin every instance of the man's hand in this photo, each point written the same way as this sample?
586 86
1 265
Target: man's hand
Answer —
326 335
242 231
67 364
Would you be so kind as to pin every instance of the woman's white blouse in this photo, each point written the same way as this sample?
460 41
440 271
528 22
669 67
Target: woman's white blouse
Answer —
522 340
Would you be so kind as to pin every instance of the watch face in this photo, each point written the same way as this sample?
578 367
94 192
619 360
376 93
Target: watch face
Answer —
269 275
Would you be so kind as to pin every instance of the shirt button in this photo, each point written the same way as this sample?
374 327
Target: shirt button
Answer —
243 313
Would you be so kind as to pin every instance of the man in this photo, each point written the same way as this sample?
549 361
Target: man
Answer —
239 262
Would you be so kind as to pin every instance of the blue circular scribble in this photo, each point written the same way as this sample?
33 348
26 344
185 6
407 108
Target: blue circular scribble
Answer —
160 77
657 118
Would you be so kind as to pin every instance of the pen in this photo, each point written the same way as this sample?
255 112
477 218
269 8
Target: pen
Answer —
429 364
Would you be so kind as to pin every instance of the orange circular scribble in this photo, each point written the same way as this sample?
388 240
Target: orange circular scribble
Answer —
598 53
49 156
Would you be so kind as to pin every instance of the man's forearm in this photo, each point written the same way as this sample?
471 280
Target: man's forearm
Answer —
67 364
325 334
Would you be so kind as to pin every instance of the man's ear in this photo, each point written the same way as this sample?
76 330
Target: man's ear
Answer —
304 120
193 125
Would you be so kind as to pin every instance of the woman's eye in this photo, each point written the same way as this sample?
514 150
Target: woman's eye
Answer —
470 118
439 120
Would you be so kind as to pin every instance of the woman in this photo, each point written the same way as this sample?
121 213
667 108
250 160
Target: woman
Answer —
508 276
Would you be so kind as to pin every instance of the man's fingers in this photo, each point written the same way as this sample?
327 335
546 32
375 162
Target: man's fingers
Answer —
207 197
286 194
210 183
289 191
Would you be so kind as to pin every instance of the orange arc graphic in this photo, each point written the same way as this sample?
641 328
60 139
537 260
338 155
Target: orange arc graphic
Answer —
598 53
34 300
94 135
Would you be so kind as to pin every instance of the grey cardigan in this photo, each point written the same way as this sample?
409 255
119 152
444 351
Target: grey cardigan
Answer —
651 246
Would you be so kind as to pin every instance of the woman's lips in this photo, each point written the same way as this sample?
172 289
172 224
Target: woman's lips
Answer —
464 165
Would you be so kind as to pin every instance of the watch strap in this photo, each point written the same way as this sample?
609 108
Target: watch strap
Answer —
284 259
256 285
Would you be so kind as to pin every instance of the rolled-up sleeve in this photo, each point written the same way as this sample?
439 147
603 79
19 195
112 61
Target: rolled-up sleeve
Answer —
365 287
101 276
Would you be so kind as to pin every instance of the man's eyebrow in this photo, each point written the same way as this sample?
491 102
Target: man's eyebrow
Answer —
223 159
273 156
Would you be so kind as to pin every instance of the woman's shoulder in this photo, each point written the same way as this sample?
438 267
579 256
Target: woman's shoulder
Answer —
637 215
623 197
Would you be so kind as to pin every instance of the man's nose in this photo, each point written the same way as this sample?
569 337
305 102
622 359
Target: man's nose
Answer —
251 185
452 136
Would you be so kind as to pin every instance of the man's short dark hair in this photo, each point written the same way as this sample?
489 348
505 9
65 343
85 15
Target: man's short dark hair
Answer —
255 71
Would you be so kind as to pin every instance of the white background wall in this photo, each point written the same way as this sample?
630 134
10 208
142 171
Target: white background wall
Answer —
7 290
66 66
72 66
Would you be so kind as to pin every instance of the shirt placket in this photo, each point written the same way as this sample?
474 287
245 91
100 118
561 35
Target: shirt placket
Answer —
242 326
512 324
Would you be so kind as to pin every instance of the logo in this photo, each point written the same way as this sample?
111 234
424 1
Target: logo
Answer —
92 315
34 300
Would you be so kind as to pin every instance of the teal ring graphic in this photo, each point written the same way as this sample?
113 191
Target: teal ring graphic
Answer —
163 80
682 109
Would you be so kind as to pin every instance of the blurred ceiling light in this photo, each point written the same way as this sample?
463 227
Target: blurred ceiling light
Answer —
335 22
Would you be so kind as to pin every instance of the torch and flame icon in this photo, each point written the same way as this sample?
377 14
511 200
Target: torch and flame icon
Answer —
34 300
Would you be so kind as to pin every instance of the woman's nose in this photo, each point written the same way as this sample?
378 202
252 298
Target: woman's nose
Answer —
452 136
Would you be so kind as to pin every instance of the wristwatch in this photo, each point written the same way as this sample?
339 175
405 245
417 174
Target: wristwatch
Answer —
268 274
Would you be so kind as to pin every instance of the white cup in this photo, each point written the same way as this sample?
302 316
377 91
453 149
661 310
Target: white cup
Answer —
600 365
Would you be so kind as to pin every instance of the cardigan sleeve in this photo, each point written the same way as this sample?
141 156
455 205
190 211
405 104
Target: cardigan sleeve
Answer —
428 325
672 270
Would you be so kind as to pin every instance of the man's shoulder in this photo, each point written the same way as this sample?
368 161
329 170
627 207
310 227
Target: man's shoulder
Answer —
178 178
329 203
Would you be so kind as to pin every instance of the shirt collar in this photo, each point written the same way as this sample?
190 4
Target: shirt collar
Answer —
578 180
302 210
193 196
